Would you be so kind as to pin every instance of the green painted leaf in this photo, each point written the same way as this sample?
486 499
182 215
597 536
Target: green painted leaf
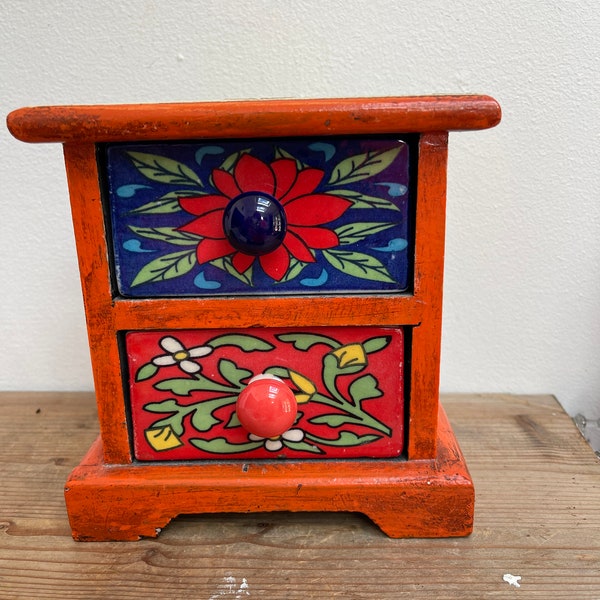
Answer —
203 417
296 267
163 169
226 265
166 406
334 420
357 264
233 421
376 344
331 369
146 371
303 447
167 234
349 438
304 341
229 163
364 388
281 372
167 204
355 232
360 200
247 343
345 438
202 420
232 373
281 153
166 267
362 166
222 446
174 422
184 386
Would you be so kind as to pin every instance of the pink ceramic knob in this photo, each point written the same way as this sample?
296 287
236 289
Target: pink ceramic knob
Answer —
267 407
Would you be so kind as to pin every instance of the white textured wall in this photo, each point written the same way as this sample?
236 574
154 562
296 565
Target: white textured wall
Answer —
522 308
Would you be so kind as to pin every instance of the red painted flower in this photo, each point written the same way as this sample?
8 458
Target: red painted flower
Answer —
305 211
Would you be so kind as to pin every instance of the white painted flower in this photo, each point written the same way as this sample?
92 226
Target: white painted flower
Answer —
276 443
179 355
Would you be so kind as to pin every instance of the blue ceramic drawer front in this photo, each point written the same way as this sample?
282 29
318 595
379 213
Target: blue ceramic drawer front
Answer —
343 220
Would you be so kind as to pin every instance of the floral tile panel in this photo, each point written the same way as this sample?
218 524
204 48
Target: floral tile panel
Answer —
347 381
345 201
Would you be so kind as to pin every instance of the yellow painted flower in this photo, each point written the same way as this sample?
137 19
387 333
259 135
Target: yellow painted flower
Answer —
305 386
162 438
351 355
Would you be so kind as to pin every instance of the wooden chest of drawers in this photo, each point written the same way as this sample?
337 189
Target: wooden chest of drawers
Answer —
263 286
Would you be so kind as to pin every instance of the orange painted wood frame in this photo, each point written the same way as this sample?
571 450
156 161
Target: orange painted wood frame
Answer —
81 128
432 498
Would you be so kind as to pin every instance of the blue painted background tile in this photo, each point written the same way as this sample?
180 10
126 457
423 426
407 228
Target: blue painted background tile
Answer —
347 204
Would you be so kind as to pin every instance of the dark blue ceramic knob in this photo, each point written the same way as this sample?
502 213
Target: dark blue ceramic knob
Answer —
254 223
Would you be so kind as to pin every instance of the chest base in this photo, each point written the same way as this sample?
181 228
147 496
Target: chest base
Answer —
404 498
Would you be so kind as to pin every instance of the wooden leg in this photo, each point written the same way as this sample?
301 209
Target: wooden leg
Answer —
438 511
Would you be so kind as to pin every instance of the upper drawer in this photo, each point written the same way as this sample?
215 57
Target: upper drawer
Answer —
330 215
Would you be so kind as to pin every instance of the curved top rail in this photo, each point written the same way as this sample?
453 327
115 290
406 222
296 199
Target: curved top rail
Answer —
253 118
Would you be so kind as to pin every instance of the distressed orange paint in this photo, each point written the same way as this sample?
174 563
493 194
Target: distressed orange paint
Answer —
111 496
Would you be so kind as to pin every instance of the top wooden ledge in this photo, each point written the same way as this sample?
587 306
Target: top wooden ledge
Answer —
253 118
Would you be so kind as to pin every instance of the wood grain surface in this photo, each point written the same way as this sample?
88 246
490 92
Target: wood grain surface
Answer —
253 118
537 517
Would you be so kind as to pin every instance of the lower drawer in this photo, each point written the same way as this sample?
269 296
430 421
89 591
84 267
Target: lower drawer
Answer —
347 381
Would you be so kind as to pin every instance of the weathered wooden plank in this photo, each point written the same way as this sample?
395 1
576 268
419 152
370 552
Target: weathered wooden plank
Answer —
537 516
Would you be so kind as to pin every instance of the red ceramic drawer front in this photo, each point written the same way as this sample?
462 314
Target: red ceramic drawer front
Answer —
348 382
